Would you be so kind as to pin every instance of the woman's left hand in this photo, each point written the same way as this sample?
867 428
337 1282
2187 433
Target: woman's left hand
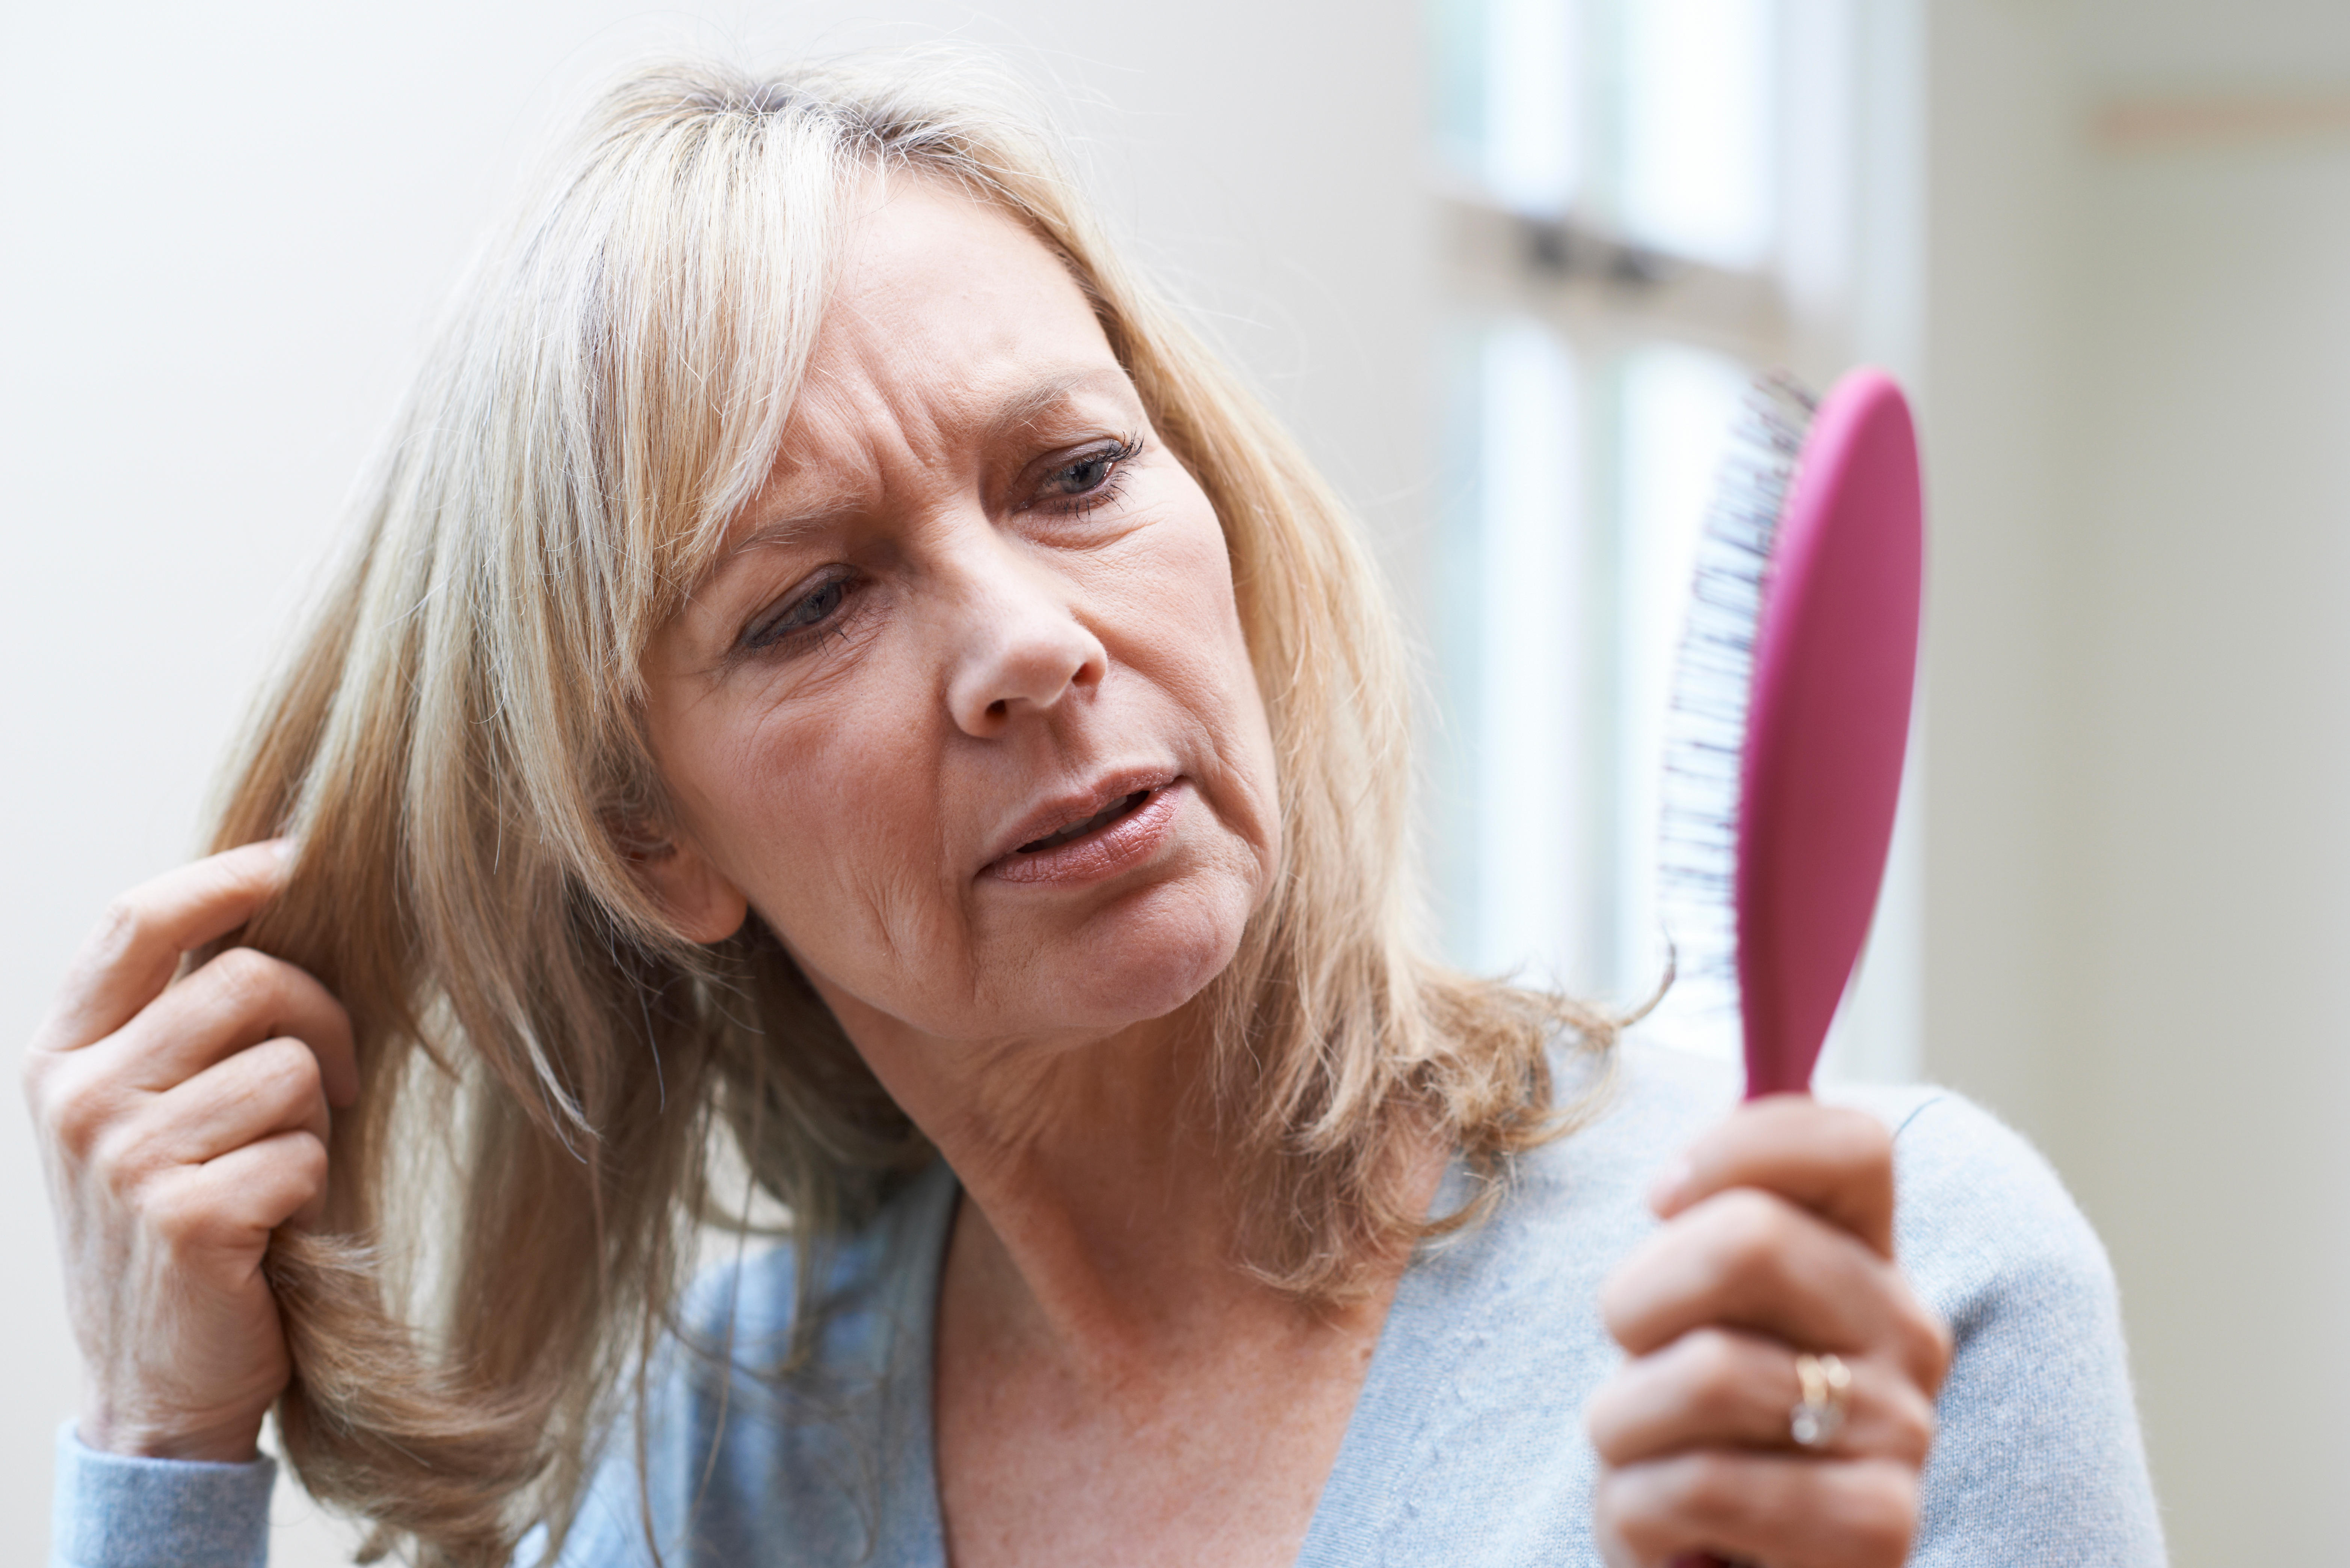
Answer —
1778 1244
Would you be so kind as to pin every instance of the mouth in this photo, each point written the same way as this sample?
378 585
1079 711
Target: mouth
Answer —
1110 828
1125 805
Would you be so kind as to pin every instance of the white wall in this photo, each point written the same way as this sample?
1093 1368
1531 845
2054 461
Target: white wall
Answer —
2138 863
2214 909
224 228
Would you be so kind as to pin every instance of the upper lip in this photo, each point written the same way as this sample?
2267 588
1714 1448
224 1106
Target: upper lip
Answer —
1067 810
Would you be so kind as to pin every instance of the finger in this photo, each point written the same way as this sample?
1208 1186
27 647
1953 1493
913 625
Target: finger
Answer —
237 1000
128 959
1766 1508
272 1087
1836 1162
1721 1389
1744 1259
227 1206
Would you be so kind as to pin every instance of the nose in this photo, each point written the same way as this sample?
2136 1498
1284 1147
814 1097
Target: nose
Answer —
1020 647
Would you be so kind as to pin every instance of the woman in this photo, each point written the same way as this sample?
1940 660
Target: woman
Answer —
838 688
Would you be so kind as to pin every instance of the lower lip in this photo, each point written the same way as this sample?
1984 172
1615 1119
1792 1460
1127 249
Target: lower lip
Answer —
1105 852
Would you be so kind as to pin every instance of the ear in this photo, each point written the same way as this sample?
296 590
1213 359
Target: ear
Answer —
696 896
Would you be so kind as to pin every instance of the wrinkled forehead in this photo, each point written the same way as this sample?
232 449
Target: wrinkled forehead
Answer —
948 327
824 477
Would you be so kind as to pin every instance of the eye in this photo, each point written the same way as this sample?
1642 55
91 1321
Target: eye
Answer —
803 613
1087 480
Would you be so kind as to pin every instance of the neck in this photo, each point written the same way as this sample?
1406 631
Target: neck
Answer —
1102 1215
1100 1210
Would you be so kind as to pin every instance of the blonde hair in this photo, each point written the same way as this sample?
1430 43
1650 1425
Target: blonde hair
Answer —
548 1066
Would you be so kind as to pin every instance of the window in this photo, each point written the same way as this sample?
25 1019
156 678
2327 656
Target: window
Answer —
1646 202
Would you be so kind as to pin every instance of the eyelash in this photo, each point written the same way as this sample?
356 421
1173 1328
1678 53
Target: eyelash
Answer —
771 633
1112 485
765 635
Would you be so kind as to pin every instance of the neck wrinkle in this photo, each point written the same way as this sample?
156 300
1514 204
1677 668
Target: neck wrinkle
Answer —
1101 1221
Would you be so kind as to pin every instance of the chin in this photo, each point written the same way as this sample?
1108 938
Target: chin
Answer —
1143 958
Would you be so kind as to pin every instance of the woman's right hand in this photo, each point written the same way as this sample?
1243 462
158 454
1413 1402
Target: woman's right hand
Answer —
181 1123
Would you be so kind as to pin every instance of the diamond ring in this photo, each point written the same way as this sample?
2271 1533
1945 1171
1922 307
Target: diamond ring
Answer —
1828 1393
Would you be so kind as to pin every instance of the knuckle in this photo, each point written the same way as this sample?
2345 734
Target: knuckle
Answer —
305 1162
1631 1509
76 1111
1712 1488
1615 1305
1881 1514
176 1214
35 1072
288 1068
1941 1344
1602 1420
1925 1340
1855 1133
31 1072
1609 1511
1909 1423
1714 1354
1628 1293
120 931
243 976
1860 1143
1716 1367
120 1158
1756 1232
107 1154
247 985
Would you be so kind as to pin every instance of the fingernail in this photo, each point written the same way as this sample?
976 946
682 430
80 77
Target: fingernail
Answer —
1668 1184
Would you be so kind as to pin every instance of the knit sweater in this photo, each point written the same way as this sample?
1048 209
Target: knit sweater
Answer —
1466 1447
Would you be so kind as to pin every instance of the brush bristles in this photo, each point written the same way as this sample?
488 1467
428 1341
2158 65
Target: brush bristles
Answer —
1712 684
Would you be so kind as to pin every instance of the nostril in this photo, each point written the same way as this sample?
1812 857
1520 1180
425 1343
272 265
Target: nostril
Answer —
997 708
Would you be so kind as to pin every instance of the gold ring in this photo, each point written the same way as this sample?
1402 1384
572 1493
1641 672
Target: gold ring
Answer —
1827 1383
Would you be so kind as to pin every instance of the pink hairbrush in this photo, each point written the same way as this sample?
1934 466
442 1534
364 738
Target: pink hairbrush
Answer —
1791 711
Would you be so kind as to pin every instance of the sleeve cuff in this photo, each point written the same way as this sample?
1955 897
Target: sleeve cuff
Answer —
111 1511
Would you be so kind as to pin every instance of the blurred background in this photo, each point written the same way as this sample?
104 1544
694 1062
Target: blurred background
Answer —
1505 265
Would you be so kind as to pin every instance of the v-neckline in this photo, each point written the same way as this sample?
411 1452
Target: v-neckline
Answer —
1389 1432
911 1530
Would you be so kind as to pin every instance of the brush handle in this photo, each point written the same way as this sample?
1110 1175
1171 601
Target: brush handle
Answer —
1836 661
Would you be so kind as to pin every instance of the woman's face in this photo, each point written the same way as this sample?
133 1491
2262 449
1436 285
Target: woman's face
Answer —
963 711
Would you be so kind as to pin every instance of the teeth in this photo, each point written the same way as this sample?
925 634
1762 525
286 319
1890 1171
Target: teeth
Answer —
1110 813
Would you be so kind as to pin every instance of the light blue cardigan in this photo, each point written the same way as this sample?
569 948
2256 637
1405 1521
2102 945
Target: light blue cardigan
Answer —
1467 1448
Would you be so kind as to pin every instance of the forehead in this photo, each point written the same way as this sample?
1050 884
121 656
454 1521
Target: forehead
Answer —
943 299
913 237
950 325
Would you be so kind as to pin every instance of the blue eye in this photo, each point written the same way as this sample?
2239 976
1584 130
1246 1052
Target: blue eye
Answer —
1087 474
1091 478
804 614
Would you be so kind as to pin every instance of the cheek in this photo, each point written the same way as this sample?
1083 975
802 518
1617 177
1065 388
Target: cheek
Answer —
812 815
1181 628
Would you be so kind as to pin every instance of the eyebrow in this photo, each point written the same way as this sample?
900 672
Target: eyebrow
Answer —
1026 409
1018 412
787 529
